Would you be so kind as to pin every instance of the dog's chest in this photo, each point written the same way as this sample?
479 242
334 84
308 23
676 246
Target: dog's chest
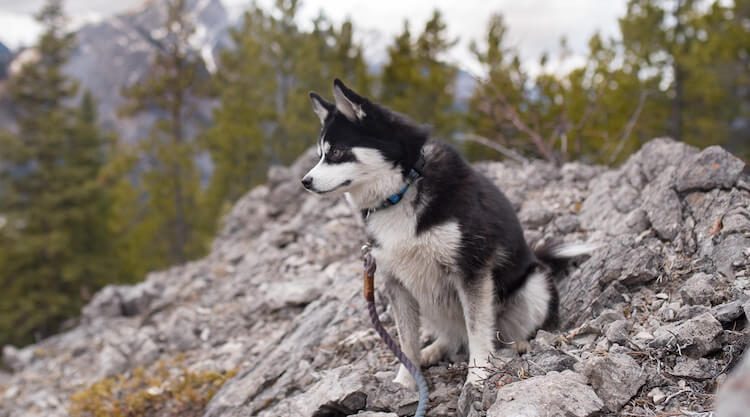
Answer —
423 262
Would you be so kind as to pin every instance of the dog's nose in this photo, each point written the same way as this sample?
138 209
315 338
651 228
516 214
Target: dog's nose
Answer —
307 182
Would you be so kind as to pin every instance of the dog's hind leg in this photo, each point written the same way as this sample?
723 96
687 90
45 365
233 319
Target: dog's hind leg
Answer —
526 312
406 313
477 301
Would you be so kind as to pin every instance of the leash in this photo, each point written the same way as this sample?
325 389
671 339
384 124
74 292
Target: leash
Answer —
369 292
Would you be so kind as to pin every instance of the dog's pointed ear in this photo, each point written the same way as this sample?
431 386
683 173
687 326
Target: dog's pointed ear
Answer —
321 107
348 102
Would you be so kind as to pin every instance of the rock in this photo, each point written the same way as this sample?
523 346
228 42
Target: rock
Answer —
713 167
338 390
618 331
373 414
616 378
662 205
535 215
551 360
17 359
701 368
690 311
384 394
696 337
729 312
698 289
567 223
121 300
555 394
278 301
657 395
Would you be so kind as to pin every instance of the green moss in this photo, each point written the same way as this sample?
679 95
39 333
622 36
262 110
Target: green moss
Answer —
165 389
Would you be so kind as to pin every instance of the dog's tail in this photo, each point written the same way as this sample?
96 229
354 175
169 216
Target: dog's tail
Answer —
558 255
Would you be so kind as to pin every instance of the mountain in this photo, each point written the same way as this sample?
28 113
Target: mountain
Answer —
273 323
116 52
5 57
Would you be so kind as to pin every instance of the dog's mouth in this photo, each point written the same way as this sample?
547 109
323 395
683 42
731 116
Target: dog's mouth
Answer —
343 184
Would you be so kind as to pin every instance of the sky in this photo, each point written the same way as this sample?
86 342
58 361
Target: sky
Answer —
536 26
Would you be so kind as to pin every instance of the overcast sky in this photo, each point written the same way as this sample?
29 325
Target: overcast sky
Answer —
535 25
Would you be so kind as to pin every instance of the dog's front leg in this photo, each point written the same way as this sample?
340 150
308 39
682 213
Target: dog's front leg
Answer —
406 312
477 302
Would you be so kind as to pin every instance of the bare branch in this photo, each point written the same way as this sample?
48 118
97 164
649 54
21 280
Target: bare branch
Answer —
505 151
629 126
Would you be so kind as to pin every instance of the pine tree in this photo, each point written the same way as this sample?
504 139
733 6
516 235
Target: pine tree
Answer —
246 85
418 81
170 179
55 243
264 116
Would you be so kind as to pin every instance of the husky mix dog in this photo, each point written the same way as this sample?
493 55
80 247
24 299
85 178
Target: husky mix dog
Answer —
447 241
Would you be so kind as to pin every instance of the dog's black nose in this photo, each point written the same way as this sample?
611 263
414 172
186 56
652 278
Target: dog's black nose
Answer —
307 182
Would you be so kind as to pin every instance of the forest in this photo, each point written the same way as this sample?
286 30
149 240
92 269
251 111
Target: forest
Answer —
80 208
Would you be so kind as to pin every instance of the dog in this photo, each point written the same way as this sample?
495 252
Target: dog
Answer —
447 241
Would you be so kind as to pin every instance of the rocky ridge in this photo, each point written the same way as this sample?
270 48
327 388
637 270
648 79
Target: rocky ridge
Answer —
653 321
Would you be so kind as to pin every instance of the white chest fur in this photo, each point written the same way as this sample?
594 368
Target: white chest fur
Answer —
426 263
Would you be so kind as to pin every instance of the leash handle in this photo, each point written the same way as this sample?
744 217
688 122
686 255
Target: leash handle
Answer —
369 277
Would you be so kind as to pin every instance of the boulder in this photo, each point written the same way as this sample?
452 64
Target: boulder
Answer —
555 394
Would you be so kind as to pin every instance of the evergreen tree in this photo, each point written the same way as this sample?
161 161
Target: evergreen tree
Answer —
55 243
262 82
678 69
418 81
170 179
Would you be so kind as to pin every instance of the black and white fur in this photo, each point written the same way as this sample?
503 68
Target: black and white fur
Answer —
452 252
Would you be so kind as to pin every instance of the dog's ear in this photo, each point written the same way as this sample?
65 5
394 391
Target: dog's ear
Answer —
348 102
321 107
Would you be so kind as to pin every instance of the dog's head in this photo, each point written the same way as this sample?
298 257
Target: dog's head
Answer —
361 145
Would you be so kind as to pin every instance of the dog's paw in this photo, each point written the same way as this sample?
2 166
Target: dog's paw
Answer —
432 354
477 376
405 379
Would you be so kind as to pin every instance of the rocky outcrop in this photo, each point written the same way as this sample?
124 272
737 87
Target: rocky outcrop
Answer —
653 321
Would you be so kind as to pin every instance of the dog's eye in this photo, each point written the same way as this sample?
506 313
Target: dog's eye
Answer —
335 154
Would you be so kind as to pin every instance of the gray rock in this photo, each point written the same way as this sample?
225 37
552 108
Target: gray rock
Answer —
662 205
639 266
17 359
731 311
338 390
696 337
699 289
373 414
616 378
122 300
551 360
555 394
700 368
618 331
535 215
689 311
713 167
278 300
567 223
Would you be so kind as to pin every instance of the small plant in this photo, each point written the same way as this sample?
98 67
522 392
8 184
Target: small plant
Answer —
164 389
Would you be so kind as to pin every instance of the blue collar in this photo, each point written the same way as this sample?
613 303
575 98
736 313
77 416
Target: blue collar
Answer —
394 199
